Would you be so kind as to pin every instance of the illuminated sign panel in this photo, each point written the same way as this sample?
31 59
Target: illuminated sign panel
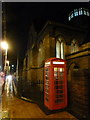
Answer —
58 62
47 64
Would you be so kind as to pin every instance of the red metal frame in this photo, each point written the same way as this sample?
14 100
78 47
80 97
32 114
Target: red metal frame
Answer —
55 84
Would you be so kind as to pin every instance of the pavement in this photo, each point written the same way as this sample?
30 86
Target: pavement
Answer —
13 107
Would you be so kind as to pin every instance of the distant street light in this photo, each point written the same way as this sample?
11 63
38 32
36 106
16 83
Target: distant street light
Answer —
4 46
12 65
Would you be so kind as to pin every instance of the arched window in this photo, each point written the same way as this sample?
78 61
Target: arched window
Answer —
75 12
88 14
85 11
74 46
69 18
60 48
57 49
80 11
72 15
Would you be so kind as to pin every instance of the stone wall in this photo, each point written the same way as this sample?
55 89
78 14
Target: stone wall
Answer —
78 86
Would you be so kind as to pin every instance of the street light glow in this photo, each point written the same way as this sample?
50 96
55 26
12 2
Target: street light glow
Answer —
12 65
4 45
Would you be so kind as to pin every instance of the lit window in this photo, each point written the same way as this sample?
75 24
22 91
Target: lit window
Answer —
69 18
60 49
75 12
80 11
74 46
72 15
87 13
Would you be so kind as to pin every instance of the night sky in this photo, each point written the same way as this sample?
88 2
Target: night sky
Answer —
20 15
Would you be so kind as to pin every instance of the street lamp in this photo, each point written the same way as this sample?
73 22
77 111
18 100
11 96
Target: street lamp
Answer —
4 46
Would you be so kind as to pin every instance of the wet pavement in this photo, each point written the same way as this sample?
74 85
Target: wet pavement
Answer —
13 107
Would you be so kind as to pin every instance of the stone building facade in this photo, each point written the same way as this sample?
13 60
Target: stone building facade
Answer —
70 42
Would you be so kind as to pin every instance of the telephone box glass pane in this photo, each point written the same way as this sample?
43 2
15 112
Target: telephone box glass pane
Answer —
59 87
59 96
58 73
47 84
59 101
59 84
59 91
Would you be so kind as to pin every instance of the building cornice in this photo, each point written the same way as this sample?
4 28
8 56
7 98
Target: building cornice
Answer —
82 53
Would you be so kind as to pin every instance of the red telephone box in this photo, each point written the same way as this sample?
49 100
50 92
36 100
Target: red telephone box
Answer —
55 84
